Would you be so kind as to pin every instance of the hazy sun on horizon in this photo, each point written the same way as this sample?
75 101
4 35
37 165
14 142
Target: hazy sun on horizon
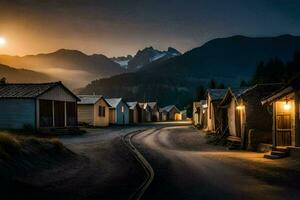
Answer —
2 41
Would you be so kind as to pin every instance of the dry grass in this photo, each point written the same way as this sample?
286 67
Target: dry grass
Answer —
8 145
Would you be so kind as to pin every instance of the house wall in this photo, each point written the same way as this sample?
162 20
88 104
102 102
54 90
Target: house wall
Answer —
86 113
172 114
135 115
210 115
122 117
101 120
15 113
112 116
231 110
196 117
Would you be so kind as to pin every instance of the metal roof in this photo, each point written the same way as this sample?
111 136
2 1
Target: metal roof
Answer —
216 94
169 108
132 104
28 90
89 99
113 102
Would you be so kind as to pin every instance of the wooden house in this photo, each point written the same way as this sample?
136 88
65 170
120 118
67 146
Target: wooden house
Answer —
200 113
146 112
118 111
246 122
37 106
93 110
172 113
163 114
214 97
286 119
154 109
135 112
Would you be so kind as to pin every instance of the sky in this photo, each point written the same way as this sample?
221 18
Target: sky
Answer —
121 27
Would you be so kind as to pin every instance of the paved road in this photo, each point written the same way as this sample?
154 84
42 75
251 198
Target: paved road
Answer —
187 168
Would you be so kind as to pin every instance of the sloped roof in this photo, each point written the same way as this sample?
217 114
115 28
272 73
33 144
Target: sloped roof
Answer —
113 102
132 104
143 105
216 94
29 90
90 99
169 108
262 90
152 104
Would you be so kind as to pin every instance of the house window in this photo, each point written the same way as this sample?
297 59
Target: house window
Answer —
101 111
122 109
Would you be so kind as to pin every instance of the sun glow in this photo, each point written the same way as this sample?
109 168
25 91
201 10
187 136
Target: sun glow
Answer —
2 41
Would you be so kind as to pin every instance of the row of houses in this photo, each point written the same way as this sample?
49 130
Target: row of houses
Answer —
48 105
263 113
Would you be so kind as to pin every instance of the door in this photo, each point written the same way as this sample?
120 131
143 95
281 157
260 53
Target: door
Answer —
71 114
59 113
46 114
283 129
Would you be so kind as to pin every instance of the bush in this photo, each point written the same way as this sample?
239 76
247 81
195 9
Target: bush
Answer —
8 144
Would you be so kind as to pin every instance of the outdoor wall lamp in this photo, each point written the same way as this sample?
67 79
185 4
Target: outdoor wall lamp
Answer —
240 107
287 106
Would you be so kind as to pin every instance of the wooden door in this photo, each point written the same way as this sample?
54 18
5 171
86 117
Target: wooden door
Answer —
46 114
59 113
71 114
283 129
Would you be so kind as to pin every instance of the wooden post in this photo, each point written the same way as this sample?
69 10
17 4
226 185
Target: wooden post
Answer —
274 125
65 113
297 120
53 114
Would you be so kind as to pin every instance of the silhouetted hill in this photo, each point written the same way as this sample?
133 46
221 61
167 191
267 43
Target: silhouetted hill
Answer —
71 66
22 75
174 81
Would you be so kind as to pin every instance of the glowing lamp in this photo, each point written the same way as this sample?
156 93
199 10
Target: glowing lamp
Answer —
287 106
240 107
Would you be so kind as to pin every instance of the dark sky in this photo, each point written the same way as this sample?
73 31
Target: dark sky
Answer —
120 27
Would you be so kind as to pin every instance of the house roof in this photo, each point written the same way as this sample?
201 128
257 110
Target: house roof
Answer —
169 108
90 99
152 104
113 102
283 91
29 90
143 105
262 90
216 94
132 105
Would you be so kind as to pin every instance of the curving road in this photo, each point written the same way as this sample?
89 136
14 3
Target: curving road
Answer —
187 168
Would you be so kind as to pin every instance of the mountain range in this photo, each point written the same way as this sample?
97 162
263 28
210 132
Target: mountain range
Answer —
145 57
174 81
73 67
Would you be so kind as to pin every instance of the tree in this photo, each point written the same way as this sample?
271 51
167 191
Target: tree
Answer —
221 86
3 81
200 93
244 83
212 84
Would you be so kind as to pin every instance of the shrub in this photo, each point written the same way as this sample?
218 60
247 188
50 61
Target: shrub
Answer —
9 144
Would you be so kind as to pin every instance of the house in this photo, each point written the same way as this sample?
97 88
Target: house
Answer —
183 114
93 110
163 114
40 105
286 121
118 111
214 97
244 119
171 113
200 113
154 111
135 112
146 112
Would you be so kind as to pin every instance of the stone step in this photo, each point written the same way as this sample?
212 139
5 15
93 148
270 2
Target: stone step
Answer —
272 157
280 153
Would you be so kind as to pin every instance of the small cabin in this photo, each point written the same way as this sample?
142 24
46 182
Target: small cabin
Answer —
154 109
146 112
200 113
244 118
93 110
118 111
37 105
172 113
214 97
286 121
135 112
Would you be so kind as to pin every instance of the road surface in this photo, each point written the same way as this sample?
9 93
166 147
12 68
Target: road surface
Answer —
186 167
